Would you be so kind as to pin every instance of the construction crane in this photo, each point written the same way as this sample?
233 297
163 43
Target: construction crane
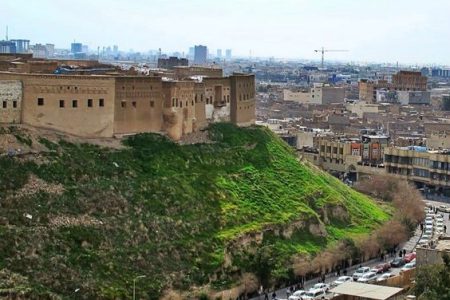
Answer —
323 50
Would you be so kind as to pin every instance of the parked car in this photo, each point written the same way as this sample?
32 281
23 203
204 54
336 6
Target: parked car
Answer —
313 294
423 242
360 272
397 262
297 295
409 257
325 287
384 276
409 266
443 208
381 268
368 277
341 280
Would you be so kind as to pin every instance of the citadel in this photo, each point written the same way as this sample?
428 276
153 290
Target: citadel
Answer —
90 99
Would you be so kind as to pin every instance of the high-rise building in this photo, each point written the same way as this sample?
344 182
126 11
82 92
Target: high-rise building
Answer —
50 50
228 54
115 50
219 53
76 48
7 47
191 52
22 46
200 54
84 48
39 51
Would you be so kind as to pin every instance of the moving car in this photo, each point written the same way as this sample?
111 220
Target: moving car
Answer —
381 268
325 287
360 272
368 277
384 276
397 262
341 280
313 294
297 295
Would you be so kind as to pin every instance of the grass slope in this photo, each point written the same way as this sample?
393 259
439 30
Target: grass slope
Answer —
163 210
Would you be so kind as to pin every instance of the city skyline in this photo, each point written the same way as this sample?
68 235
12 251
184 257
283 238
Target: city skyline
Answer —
403 31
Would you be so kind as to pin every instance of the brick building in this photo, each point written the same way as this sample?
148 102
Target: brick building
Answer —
109 105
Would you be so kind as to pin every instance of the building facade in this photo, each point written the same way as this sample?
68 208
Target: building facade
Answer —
109 105
200 54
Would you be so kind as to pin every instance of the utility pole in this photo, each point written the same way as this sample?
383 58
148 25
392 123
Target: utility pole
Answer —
134 285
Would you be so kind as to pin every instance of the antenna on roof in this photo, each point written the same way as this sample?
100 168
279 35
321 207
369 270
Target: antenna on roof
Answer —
6 32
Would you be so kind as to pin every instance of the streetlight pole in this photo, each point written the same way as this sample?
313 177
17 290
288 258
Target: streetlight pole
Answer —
134 285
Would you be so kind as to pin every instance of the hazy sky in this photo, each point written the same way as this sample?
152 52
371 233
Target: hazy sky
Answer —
408 31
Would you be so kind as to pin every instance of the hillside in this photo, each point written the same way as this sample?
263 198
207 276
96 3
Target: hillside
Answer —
81 220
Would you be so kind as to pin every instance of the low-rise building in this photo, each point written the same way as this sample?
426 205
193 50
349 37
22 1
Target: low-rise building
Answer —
429 169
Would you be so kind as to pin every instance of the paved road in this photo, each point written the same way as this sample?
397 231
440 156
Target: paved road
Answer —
409 246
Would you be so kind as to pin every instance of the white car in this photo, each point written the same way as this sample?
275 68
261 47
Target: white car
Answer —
409 266
341 280
428 227
297 295
424 241
384 276
429 222
360 272
325 287
368 277
313 294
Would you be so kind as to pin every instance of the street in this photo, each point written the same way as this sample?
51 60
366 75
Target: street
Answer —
409 246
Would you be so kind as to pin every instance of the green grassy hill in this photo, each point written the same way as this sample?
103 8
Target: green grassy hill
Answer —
78 216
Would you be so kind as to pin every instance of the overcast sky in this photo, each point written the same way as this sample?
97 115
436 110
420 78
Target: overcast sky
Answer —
408 31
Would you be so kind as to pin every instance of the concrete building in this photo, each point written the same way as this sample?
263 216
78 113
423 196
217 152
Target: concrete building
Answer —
426 255
171 62
219 53
76 48
414 97
429 169
109 105
402 81
39 51
7 47
200 54
228 54
318 94
50 48
22 46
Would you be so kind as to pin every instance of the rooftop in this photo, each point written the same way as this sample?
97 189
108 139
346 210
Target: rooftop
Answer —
366 291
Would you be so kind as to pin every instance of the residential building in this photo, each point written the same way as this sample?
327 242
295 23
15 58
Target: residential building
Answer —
171 62
200 54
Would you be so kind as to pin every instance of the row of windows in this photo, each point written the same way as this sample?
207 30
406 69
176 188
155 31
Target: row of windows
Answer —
62 103
123 104
5 104
244 96
175 103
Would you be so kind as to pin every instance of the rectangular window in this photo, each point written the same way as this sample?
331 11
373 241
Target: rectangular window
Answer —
61 103
15 104
152 103
40 101
74 103
89 102
101 102
133 103
123 104
4 104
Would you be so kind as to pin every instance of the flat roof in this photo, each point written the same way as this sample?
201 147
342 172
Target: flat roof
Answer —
369 291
